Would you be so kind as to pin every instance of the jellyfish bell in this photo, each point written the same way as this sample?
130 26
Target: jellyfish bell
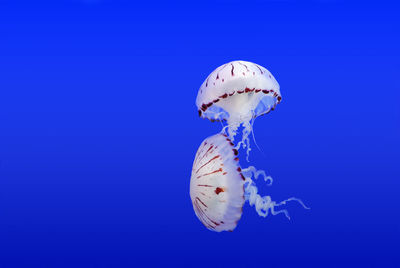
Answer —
238 92
217 185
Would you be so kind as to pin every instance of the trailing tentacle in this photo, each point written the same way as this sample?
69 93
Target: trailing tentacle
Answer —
251 171
264 204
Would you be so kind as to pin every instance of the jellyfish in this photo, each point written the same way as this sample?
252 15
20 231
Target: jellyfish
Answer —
238 92
219 187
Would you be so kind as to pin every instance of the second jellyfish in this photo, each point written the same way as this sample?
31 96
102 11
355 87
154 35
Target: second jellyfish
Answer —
219 186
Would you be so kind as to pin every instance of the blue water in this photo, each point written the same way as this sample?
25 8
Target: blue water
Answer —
98 131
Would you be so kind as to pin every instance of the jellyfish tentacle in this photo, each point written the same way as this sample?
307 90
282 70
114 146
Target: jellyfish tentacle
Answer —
238 145
245 141
247 129
232 130
298 200
252 133
223 131
251 171
263 205
222 124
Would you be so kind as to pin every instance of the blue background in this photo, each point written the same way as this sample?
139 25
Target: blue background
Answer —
98 132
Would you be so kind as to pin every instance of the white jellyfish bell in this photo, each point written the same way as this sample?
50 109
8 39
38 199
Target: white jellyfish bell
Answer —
219 187
216 184
238 92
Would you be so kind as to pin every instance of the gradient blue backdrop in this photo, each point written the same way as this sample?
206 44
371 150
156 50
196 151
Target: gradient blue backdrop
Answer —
98 131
